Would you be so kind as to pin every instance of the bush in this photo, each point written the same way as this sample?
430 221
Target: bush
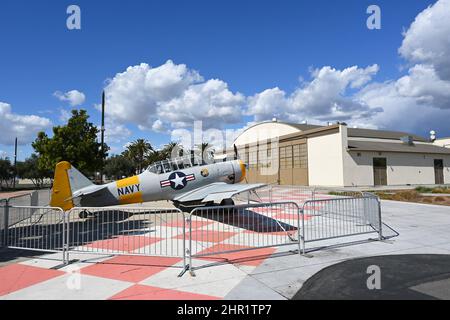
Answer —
423 189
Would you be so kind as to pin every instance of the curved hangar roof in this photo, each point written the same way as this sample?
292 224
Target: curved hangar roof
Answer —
268 130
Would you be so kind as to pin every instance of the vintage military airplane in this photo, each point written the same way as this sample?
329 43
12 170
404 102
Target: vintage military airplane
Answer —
187 181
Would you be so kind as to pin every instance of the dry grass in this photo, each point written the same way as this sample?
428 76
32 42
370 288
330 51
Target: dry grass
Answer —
414 196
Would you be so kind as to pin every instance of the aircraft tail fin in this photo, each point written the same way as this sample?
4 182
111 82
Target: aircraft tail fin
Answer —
66 182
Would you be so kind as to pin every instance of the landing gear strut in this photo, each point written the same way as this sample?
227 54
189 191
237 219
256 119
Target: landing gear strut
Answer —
85 214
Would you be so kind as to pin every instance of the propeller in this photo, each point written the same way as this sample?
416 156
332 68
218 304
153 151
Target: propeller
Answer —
236 155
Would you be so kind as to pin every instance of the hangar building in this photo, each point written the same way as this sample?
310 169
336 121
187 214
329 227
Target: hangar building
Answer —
336 155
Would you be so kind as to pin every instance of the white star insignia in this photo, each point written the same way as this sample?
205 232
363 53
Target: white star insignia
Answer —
178 180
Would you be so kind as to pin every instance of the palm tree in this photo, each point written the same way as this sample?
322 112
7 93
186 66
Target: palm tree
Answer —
172 149
138 151
205 146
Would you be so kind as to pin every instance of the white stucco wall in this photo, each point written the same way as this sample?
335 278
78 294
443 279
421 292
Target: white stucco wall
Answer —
325 154
443 142
263 131
402 168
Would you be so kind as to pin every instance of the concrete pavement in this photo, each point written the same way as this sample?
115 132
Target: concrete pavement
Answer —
277 274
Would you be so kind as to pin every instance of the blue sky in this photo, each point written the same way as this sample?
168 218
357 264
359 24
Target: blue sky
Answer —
249 45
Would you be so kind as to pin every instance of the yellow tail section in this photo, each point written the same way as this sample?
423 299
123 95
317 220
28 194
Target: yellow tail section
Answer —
62 193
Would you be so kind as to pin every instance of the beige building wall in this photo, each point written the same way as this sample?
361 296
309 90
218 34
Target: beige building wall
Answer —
402 168
325 158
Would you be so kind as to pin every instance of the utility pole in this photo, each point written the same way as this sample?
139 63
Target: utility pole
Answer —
15 164
103 135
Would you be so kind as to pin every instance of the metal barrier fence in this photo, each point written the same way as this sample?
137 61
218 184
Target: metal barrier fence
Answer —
299 194
328 219
34 228
211 233
127 231
2 222
241 228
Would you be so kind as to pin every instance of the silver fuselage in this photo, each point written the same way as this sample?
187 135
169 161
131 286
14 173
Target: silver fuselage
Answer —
149 186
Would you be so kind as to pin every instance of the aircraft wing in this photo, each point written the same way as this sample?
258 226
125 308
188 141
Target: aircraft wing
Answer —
216 192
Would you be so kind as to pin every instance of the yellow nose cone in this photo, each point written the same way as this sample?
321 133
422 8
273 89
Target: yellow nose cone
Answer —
243 170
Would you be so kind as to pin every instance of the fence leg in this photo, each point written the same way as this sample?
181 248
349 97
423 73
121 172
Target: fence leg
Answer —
303 230
380 222
189 252
6 225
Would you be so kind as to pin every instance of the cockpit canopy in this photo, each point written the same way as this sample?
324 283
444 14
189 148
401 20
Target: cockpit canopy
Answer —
181 163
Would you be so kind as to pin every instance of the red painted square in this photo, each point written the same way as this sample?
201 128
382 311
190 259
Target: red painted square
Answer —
124 243
141 292
209 236
130 268
17 276
249 258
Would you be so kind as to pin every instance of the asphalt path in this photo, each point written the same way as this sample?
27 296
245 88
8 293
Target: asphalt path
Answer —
411 277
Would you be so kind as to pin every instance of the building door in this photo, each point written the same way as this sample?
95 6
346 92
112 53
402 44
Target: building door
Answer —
285 169
380 171
439 171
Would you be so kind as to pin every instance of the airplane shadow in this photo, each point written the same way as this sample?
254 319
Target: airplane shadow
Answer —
48 235
39 234
247 219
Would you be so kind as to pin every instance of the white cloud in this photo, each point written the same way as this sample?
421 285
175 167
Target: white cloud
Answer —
427 41
170 96
323 99
416 102
114 133
64 115
403 112
74 97
24 127
424 84
158 126
134 95
420 100
210 102
268 104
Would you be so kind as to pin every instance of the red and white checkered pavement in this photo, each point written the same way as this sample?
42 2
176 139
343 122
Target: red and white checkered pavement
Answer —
147 277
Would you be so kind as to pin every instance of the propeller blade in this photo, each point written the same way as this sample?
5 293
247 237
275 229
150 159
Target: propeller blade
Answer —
236 155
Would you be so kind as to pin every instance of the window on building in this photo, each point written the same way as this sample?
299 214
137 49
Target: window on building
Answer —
286 157
263 157
300 156
253 158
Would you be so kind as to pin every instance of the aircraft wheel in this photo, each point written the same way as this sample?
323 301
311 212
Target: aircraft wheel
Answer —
227 202
83 214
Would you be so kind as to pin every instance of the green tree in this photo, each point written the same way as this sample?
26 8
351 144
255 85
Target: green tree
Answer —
75 142
29 169
118 167
6 172
138 151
